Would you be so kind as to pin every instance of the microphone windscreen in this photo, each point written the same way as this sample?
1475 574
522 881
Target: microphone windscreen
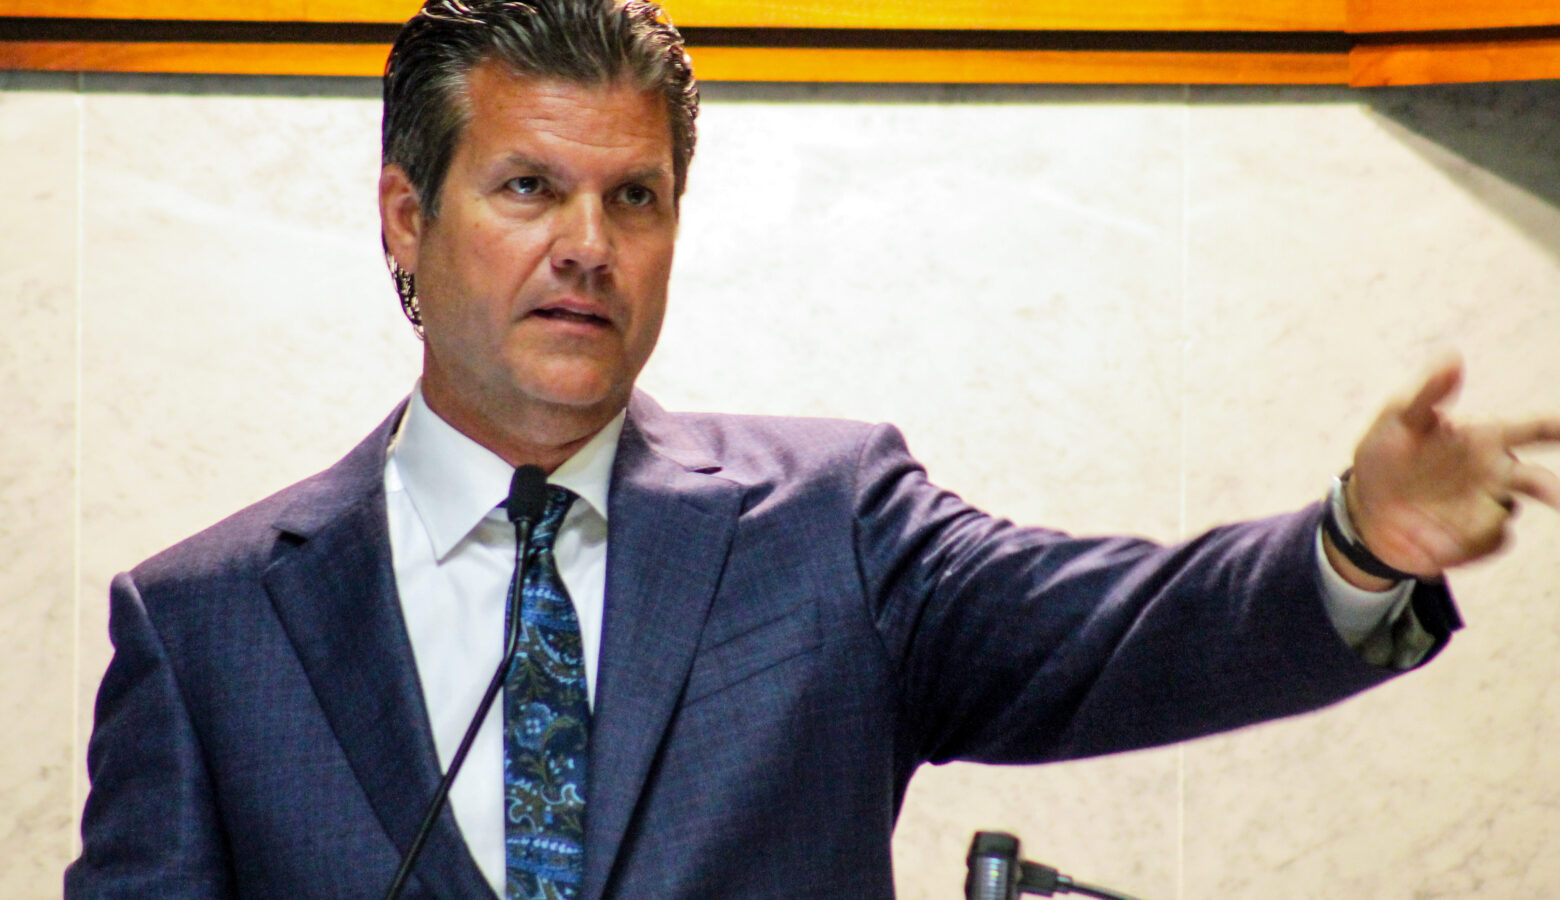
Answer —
993 867
527 494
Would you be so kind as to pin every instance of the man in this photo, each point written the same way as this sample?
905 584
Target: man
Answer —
774 621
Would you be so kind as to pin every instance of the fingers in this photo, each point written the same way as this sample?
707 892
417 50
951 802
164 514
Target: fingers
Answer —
1536 482
1526 478
1516 434
1442 382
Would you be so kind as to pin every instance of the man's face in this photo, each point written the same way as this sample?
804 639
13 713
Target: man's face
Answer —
542 280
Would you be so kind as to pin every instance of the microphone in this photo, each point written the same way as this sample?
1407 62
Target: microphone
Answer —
527 496
527 500
993 867
996 873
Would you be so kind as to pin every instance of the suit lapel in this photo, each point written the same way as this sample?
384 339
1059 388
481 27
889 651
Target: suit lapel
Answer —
670 526
333 587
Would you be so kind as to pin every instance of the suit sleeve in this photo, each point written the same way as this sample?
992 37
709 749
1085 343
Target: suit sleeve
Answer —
1016 644
150 828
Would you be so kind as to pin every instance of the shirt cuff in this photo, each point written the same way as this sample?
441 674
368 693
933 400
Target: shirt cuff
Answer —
1355 613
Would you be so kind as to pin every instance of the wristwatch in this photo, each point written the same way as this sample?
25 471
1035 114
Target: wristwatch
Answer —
1338 526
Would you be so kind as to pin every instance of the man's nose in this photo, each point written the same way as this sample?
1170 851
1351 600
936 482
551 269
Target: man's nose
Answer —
583 240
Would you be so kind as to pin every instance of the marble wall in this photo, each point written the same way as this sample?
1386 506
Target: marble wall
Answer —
1106 309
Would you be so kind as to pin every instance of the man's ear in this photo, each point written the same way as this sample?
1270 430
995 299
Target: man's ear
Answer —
400 215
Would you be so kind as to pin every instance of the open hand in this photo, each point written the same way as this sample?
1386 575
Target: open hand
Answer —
1429 493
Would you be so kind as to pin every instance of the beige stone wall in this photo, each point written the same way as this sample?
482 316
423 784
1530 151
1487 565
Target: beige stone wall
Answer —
1104 309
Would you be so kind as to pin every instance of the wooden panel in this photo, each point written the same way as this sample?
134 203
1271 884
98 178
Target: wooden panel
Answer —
234 59
729 63
1449 15
1388 64
257 10
218 10
1124 15
1016 66
1120 15
1415 58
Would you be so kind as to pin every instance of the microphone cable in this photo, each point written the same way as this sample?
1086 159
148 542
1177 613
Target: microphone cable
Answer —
1045 881
527 500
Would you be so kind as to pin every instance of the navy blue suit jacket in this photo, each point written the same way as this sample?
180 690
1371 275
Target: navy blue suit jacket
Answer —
795 620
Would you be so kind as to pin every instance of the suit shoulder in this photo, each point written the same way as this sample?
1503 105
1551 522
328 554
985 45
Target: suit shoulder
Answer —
764 447
241 545
240 542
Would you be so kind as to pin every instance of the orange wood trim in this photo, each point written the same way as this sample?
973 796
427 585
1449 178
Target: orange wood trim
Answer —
1389 64
1448 15
1016 66
191 58
729 63
218 10
1119 15
1034 15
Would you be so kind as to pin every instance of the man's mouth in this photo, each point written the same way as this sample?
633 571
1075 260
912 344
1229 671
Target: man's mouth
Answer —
569 314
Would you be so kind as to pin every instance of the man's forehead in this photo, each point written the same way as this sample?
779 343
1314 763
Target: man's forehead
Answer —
499 98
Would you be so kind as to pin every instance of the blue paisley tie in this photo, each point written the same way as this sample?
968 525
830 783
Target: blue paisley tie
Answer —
546 726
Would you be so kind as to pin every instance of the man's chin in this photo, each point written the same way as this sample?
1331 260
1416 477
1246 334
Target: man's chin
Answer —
583 397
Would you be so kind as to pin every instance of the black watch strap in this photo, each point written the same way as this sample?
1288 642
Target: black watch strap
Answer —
1338 526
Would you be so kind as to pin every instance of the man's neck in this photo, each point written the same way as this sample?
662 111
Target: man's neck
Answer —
545 436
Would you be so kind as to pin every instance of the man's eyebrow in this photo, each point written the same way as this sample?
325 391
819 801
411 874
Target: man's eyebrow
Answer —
527 163
650 173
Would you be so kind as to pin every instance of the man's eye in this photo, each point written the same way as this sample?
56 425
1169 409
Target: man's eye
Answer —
526 184
637 195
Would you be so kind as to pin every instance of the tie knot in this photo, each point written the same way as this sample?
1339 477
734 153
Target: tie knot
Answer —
558 501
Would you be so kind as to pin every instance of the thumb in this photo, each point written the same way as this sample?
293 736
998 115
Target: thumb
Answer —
1440 385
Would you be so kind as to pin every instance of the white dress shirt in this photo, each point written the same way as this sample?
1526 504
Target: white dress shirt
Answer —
454 555
1356 613
453 552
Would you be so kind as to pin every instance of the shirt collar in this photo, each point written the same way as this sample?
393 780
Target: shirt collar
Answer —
454 482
